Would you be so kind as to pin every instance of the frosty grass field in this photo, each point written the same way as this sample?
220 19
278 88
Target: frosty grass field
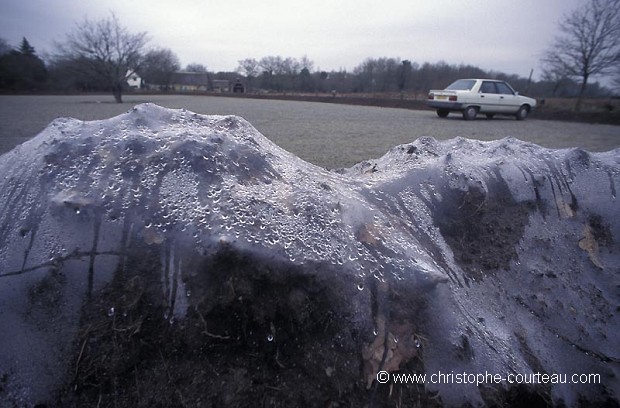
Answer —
328 135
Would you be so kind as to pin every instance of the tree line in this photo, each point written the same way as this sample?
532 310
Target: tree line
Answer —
21 69
389 75
102 55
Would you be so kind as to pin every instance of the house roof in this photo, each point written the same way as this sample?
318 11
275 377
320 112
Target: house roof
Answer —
190 78
221 82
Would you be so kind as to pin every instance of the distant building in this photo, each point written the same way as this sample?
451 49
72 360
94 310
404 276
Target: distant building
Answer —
238 87
134 81
220 85
190 81
183 81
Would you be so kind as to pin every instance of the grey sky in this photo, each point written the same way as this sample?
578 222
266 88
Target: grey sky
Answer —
502 35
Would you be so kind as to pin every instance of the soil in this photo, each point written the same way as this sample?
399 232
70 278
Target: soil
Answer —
265 333
256 334
483 232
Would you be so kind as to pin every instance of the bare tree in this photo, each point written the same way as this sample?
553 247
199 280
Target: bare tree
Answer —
196 67
307 63
616 80
556 77
248 67
271 64
378 74
105 51
588 44
289 66
404 75
158 66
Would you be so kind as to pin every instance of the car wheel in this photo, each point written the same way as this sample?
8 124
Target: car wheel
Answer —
442 113
490 115
522 112
470 113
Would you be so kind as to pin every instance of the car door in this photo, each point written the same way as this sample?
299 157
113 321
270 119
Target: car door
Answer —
508 100
489 98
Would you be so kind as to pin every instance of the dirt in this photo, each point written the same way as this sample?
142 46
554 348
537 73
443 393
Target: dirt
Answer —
600 230
264 333
256 334
483 232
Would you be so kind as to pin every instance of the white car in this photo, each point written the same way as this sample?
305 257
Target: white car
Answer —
486 96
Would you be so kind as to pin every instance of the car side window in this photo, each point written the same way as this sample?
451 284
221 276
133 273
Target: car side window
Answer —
488 87
504 89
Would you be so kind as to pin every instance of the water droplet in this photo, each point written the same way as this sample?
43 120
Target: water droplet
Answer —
360 286
416 341
270 337
111 312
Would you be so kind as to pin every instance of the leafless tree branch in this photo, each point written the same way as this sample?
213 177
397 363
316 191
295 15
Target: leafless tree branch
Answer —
588 44
104 50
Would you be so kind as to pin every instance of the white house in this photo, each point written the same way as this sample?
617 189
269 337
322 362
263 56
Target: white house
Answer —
134 81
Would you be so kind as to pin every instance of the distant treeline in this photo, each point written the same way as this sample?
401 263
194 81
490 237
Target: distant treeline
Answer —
21 69
387 75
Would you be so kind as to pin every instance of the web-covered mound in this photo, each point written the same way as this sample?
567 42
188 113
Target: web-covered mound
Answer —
84 201
528 238
177 175
160 242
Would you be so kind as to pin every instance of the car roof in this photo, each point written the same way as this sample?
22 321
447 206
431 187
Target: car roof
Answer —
482 79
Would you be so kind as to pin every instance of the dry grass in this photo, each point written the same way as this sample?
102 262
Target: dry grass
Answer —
589 105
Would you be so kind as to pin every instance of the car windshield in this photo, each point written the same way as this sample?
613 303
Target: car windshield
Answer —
461 85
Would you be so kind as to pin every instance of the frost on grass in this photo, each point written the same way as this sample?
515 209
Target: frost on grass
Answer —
165 257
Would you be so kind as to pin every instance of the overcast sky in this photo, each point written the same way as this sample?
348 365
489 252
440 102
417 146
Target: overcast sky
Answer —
503 35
